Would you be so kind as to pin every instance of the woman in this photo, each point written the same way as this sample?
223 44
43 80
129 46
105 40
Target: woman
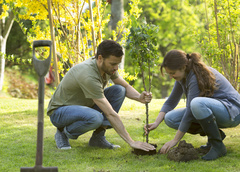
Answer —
212 102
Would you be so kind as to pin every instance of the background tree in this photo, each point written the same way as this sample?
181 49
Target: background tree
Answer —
177 22
73 25
221 38
76 28
117 14
6 22
18 50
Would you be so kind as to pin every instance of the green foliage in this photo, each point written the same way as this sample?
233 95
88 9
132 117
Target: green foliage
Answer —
18 50
76 34
122 30
220 40
20 84
142 43
177 21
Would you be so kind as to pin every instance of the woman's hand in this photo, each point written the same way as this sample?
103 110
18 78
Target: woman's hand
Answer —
150 127
167 146
154 125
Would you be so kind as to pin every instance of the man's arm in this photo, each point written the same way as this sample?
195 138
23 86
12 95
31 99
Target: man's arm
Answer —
132 93
117 124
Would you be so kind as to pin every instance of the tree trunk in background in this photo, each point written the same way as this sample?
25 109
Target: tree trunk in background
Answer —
5 27
238 64
2 62
117 12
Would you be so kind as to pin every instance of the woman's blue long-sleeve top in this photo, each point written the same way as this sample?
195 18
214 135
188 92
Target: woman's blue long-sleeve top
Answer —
225 93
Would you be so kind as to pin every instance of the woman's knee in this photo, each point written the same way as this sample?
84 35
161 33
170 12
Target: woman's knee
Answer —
174 117
169 121
200 107
196 103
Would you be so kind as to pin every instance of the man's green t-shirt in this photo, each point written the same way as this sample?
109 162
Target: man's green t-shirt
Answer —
80 86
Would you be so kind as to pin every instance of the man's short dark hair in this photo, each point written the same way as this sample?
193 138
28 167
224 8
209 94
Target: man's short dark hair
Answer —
109 47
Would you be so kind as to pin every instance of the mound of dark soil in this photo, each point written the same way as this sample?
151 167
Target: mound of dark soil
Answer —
185 152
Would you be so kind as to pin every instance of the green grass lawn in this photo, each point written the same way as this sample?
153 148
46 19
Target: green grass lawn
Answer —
18 129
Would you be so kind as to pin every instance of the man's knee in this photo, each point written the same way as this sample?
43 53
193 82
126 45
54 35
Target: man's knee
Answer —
120 89
96 121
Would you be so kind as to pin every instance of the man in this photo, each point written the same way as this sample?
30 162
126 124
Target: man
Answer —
80 102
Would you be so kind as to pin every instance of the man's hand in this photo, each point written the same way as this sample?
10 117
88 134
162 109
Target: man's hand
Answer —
145 97
142 145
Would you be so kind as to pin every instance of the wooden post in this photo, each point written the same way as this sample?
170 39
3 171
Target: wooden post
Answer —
57 80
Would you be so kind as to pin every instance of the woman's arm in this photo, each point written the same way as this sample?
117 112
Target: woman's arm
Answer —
192 92
174 98
167 146
169 105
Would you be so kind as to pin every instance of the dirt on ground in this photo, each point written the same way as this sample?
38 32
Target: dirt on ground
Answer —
185 152
142 152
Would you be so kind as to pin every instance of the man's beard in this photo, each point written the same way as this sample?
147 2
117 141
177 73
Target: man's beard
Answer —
104 69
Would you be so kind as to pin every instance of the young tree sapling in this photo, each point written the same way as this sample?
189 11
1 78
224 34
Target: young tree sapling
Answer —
142 44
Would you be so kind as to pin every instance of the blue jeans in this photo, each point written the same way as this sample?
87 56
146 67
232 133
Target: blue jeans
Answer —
203 107
78 120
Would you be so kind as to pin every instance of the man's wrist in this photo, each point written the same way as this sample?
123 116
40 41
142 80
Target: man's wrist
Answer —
139 98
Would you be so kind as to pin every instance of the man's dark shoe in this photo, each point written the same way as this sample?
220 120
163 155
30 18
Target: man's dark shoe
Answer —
99 140
62 141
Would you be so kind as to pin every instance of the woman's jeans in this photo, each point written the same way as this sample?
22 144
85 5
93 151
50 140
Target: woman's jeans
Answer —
78 120
203 107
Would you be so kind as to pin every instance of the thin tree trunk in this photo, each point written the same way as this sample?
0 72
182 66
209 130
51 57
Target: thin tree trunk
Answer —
236 56
216 18
218 41
147 121
78 33
57 80
234 52
209 36
93 33
5 28
146 104
117 13
2 67
80 39
99 21
238 66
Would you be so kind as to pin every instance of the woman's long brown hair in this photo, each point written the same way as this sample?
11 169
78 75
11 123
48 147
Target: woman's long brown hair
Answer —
177 59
